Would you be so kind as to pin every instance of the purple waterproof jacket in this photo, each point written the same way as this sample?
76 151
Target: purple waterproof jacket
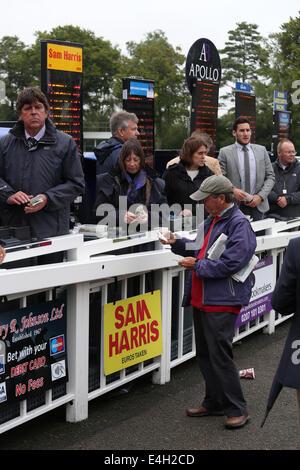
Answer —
218 286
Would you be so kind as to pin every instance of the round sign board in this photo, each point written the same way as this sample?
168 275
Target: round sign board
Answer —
203 63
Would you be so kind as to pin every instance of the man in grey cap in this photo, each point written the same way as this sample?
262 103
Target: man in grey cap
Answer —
217 298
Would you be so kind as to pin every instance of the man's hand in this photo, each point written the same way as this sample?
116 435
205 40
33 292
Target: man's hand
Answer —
282 202
188 262
169 238
129 217
186 213
31 209
255 201
239 194
19 198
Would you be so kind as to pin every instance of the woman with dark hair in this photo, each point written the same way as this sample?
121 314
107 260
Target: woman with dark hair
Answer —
185 177
133 179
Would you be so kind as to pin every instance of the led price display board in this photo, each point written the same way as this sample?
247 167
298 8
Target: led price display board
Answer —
245 106
203 76
138 98
61 81
204 113
282 122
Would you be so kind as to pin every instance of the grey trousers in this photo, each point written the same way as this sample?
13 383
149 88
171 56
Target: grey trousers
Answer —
214 334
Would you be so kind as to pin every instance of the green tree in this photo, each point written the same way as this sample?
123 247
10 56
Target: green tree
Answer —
284 70
155 59
224 129
20 67
244 55
264 92
246 58
16 72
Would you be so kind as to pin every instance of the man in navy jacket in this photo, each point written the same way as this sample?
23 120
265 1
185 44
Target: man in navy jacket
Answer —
217 298
38 160
123 126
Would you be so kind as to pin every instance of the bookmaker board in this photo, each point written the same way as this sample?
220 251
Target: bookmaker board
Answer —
61 81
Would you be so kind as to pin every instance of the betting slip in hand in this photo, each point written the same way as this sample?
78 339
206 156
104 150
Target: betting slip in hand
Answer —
162 237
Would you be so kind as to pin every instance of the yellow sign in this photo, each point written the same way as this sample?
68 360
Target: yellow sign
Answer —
280 101
281 94
62 57
280 107
132 331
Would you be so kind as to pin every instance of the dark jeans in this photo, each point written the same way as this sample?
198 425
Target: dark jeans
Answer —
214 334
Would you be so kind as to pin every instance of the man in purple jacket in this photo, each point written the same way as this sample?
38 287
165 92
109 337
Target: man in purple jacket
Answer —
217 298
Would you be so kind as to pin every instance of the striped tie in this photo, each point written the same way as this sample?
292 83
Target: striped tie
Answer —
31 142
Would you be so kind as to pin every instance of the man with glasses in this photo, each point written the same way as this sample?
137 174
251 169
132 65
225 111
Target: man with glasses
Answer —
284 199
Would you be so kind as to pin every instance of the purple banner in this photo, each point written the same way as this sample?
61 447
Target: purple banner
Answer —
260 302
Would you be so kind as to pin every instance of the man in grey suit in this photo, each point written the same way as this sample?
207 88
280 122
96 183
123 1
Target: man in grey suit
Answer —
249 169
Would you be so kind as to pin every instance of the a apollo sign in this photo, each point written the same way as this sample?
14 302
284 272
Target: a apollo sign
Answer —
203 63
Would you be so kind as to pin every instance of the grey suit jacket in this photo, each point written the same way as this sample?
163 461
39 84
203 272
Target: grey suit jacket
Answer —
265 177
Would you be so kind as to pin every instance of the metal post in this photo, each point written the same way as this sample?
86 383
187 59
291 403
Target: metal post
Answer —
163 374
78 350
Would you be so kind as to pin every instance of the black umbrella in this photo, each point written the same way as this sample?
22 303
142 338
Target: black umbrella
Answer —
274 392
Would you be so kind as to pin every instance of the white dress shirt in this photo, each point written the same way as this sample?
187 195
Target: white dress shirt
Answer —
252 165
38 136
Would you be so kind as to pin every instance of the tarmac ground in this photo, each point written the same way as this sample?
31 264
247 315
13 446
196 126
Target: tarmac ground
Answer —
152 417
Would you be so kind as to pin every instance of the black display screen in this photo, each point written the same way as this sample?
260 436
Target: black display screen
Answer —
61 81
282 125
138 98
282 122
245 106
204 115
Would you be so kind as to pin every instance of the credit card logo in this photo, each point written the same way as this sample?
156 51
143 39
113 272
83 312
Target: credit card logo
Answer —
2 364
57 345
3 396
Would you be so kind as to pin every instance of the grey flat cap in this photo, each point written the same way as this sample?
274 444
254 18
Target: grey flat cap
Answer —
215 184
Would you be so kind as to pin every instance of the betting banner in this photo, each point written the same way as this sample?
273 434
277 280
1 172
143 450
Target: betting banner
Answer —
260 301
132 331
33 353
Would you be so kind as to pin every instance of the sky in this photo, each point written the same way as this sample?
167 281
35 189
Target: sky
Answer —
182 21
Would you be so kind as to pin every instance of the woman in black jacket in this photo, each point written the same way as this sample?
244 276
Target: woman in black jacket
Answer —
185 177
130 189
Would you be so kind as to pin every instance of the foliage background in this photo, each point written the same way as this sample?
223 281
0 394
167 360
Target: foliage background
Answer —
267 64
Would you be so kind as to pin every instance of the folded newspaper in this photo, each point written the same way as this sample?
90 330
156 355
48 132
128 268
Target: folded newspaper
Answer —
243 273
216 250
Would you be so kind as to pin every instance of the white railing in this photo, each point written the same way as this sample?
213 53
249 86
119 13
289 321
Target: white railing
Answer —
93 276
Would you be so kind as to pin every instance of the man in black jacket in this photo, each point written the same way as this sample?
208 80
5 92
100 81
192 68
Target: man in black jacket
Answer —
285 300
38 160
123 126
284 199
